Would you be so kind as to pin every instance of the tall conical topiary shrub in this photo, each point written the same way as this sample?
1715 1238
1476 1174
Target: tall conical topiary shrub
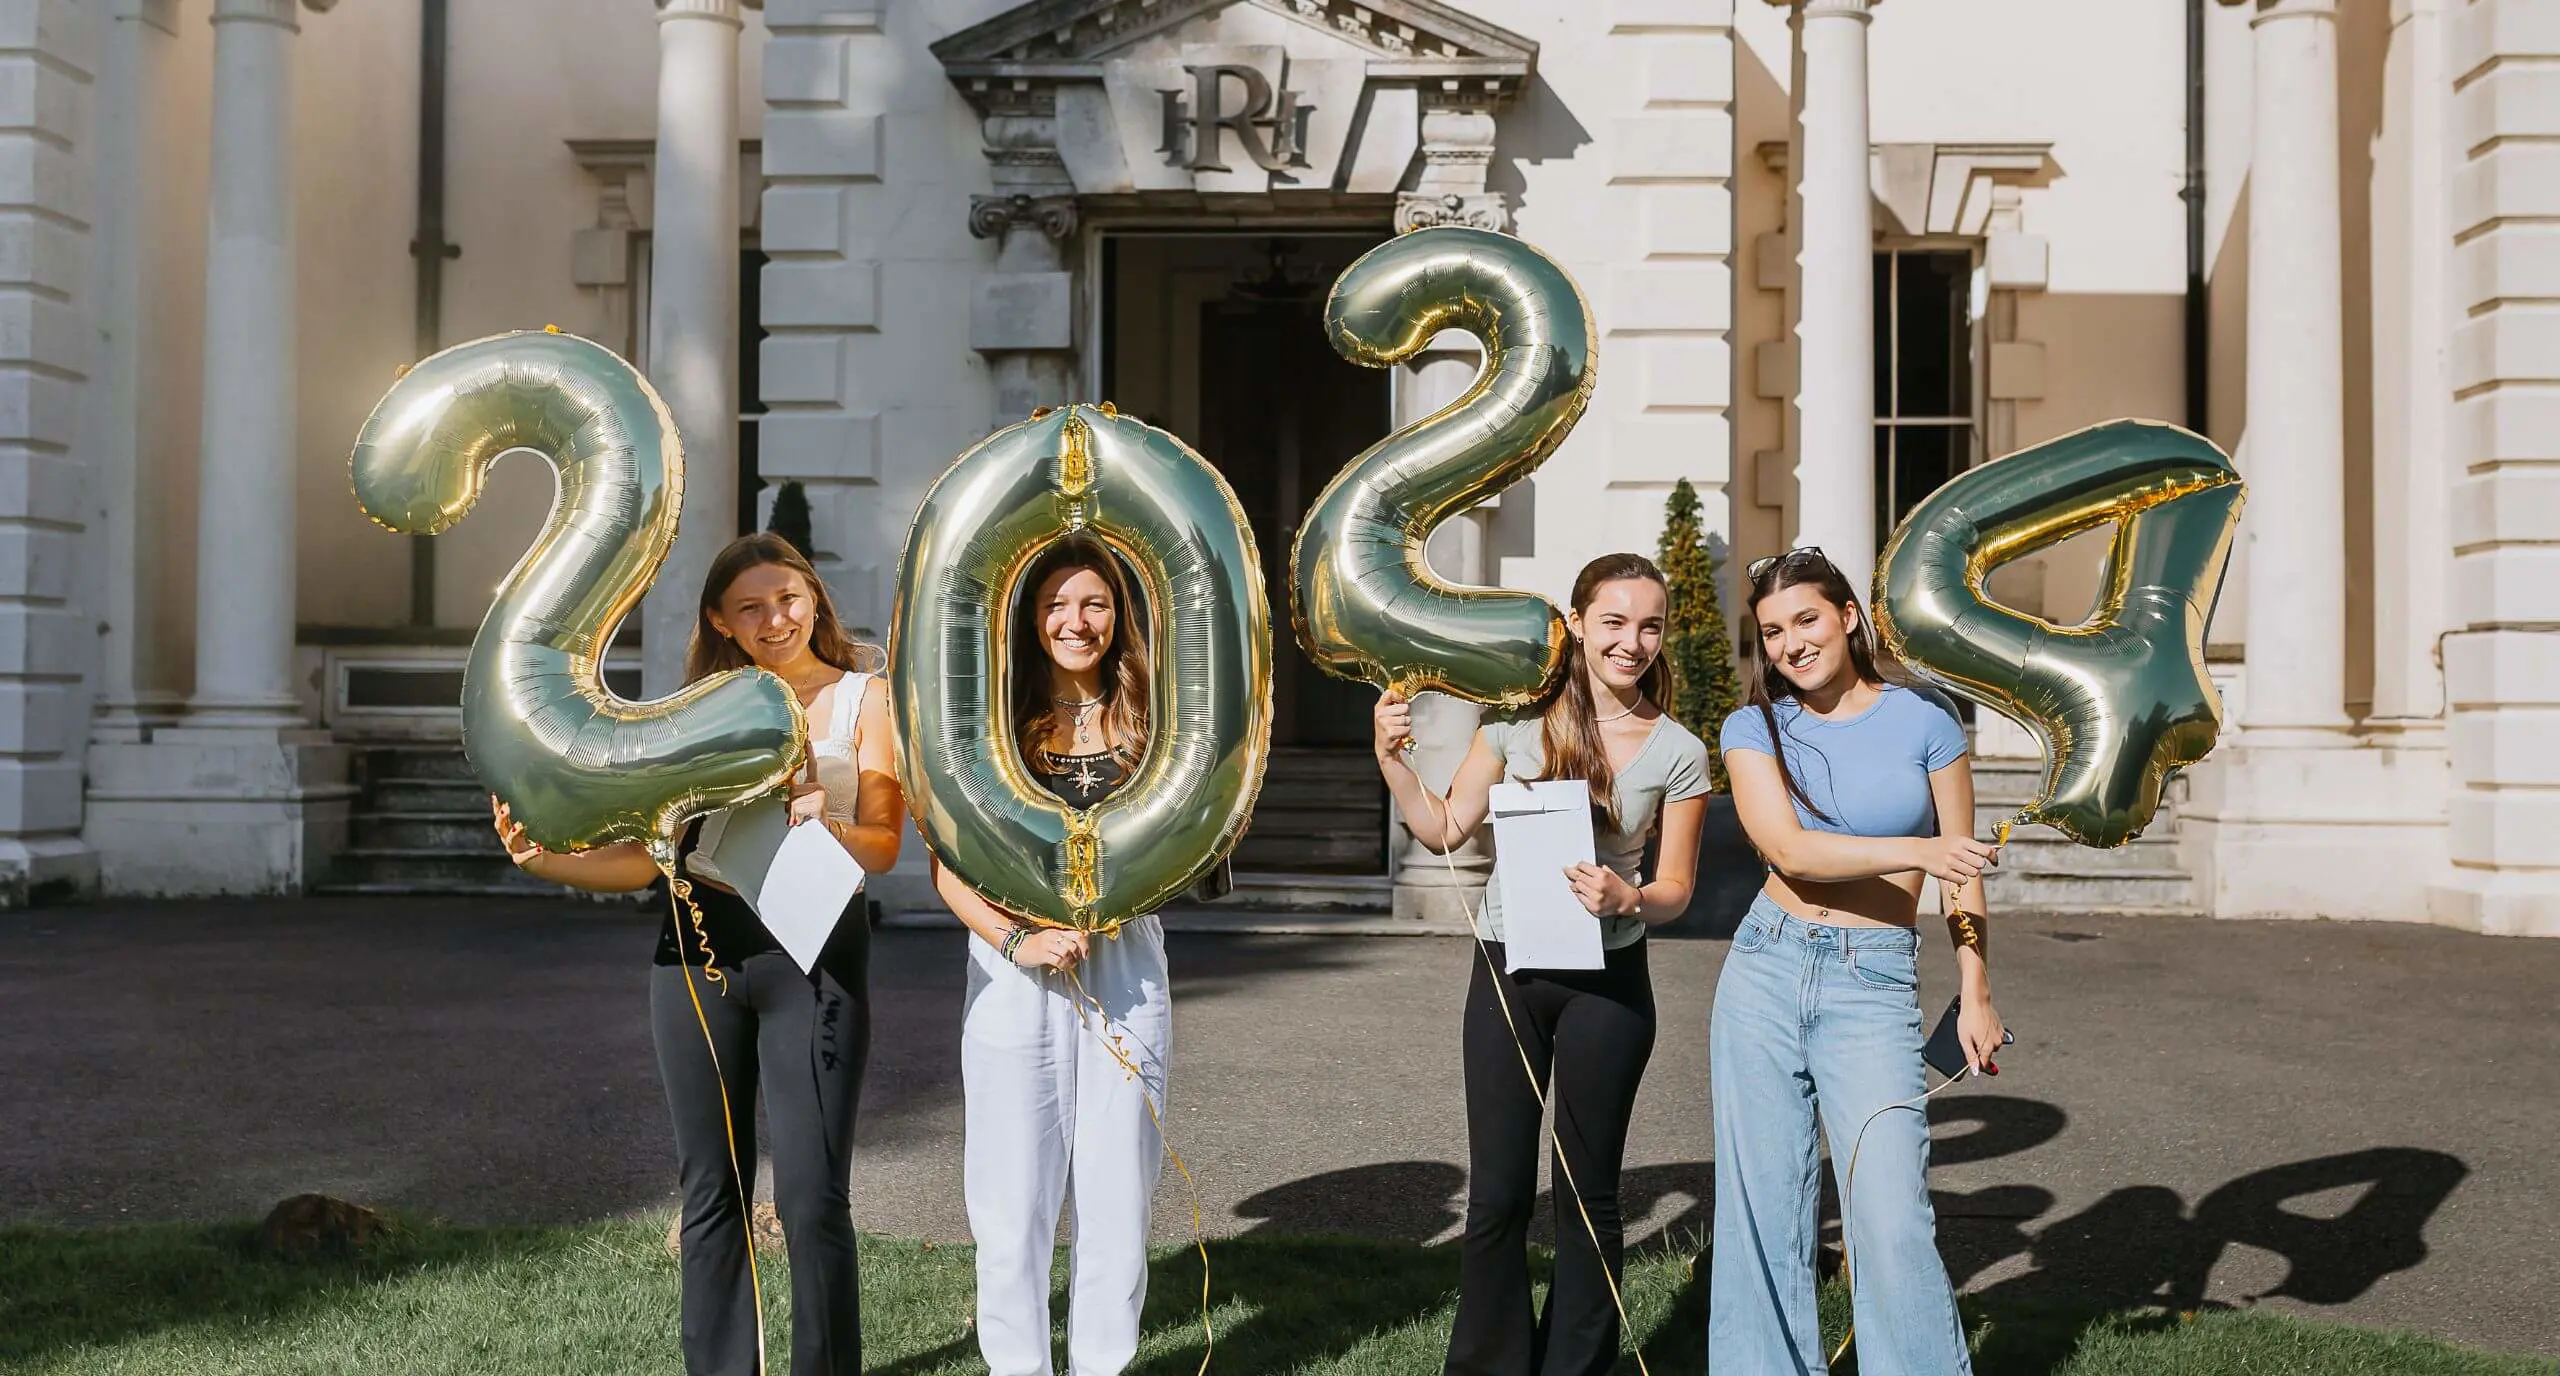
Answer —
1697 643
791 517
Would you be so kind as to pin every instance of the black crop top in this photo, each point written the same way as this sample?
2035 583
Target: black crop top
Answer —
735 932
1080 781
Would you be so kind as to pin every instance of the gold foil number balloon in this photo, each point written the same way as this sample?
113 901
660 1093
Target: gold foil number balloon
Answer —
2121 701
1081 469
578 766
1366 605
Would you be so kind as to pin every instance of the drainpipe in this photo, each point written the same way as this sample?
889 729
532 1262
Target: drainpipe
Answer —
428 246
2199 325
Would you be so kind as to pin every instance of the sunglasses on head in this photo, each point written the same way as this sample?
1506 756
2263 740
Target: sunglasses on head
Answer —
1801 554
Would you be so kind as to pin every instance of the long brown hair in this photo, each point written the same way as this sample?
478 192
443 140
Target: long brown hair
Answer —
711 652
1801 568
1570 726
1128 669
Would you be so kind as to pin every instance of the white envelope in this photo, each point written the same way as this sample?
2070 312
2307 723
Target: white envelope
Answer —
798 879
1538 830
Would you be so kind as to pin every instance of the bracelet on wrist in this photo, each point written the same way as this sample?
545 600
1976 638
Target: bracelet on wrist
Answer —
1013 942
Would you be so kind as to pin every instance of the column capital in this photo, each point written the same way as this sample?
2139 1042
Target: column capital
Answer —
718 11
1839 9
2269 11
280 13
159 14
993 216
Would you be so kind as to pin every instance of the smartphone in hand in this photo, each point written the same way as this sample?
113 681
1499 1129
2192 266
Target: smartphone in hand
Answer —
1944 1051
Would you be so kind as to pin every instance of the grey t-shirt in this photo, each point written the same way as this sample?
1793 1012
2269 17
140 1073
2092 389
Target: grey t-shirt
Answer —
1671 765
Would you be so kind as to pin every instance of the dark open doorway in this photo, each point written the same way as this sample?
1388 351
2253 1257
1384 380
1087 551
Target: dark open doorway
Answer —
1220 339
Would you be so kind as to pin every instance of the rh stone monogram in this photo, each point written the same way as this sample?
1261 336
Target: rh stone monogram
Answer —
1191 132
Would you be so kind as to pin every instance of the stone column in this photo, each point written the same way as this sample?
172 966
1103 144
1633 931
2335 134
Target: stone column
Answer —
245 488
1836 329
2414 318
2294 453
2295 815
693 306
1427 887
134 693
1022 314
244 795
2502 661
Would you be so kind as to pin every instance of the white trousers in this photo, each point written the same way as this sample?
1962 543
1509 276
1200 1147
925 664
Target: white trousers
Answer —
1051 1112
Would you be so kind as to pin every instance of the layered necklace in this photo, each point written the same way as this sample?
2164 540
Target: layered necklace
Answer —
1083 709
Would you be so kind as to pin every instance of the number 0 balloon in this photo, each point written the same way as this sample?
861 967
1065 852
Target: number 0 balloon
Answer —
1166 512
578 766
1366 606
2123 700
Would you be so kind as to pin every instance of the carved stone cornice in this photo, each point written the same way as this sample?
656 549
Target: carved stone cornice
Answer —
992 216
718 11
1481 210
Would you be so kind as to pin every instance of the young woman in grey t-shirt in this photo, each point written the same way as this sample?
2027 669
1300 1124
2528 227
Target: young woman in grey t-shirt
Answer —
1589 1032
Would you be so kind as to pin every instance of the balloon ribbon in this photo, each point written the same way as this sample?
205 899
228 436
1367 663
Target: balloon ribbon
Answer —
680 892
1554 1133
1199 1237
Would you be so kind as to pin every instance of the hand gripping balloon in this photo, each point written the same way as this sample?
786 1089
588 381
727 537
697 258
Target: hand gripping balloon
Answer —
1081 470
2121 701
578 766
1366 605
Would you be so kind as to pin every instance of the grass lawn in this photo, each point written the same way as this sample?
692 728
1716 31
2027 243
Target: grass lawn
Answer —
190 1300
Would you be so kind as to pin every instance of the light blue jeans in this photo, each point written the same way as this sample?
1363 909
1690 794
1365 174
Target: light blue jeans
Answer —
1818 1019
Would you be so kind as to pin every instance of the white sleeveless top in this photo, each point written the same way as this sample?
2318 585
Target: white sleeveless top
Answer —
832 751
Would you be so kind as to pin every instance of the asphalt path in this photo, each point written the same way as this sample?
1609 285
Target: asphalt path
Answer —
2353 1121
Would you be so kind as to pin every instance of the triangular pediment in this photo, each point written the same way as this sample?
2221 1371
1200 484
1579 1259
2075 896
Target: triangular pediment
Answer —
1060 34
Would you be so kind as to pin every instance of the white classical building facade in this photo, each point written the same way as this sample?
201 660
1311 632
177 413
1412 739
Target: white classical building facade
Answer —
1837 250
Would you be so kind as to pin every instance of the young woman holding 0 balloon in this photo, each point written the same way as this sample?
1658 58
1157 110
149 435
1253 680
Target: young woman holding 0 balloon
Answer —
1049 1109
1852 787
805 1036
1590 1031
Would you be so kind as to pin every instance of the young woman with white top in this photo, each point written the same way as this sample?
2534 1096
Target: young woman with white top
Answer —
1049 1110
1853 787
803 1036
1590 1032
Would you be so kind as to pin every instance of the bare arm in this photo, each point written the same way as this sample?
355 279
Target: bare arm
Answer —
1442 826
624 867
1968 922
1796 851
1045 946
1799 852
878 827
1676 871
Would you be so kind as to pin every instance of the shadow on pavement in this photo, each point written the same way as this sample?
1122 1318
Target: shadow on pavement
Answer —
2340 1223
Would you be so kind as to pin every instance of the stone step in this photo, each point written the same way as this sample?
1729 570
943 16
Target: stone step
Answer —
2042 850
1338 853
1988 815
409 795
434 870
462 832
2157 890
1316 792
1278 891
442 763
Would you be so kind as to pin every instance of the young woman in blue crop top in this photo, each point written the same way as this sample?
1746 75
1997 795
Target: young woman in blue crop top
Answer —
1852 788
1589 1032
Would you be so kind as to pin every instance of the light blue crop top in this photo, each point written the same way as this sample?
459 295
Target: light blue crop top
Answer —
1869 772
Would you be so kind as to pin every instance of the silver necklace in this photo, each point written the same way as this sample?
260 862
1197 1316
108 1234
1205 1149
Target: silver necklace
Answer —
1083 709
1628 712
